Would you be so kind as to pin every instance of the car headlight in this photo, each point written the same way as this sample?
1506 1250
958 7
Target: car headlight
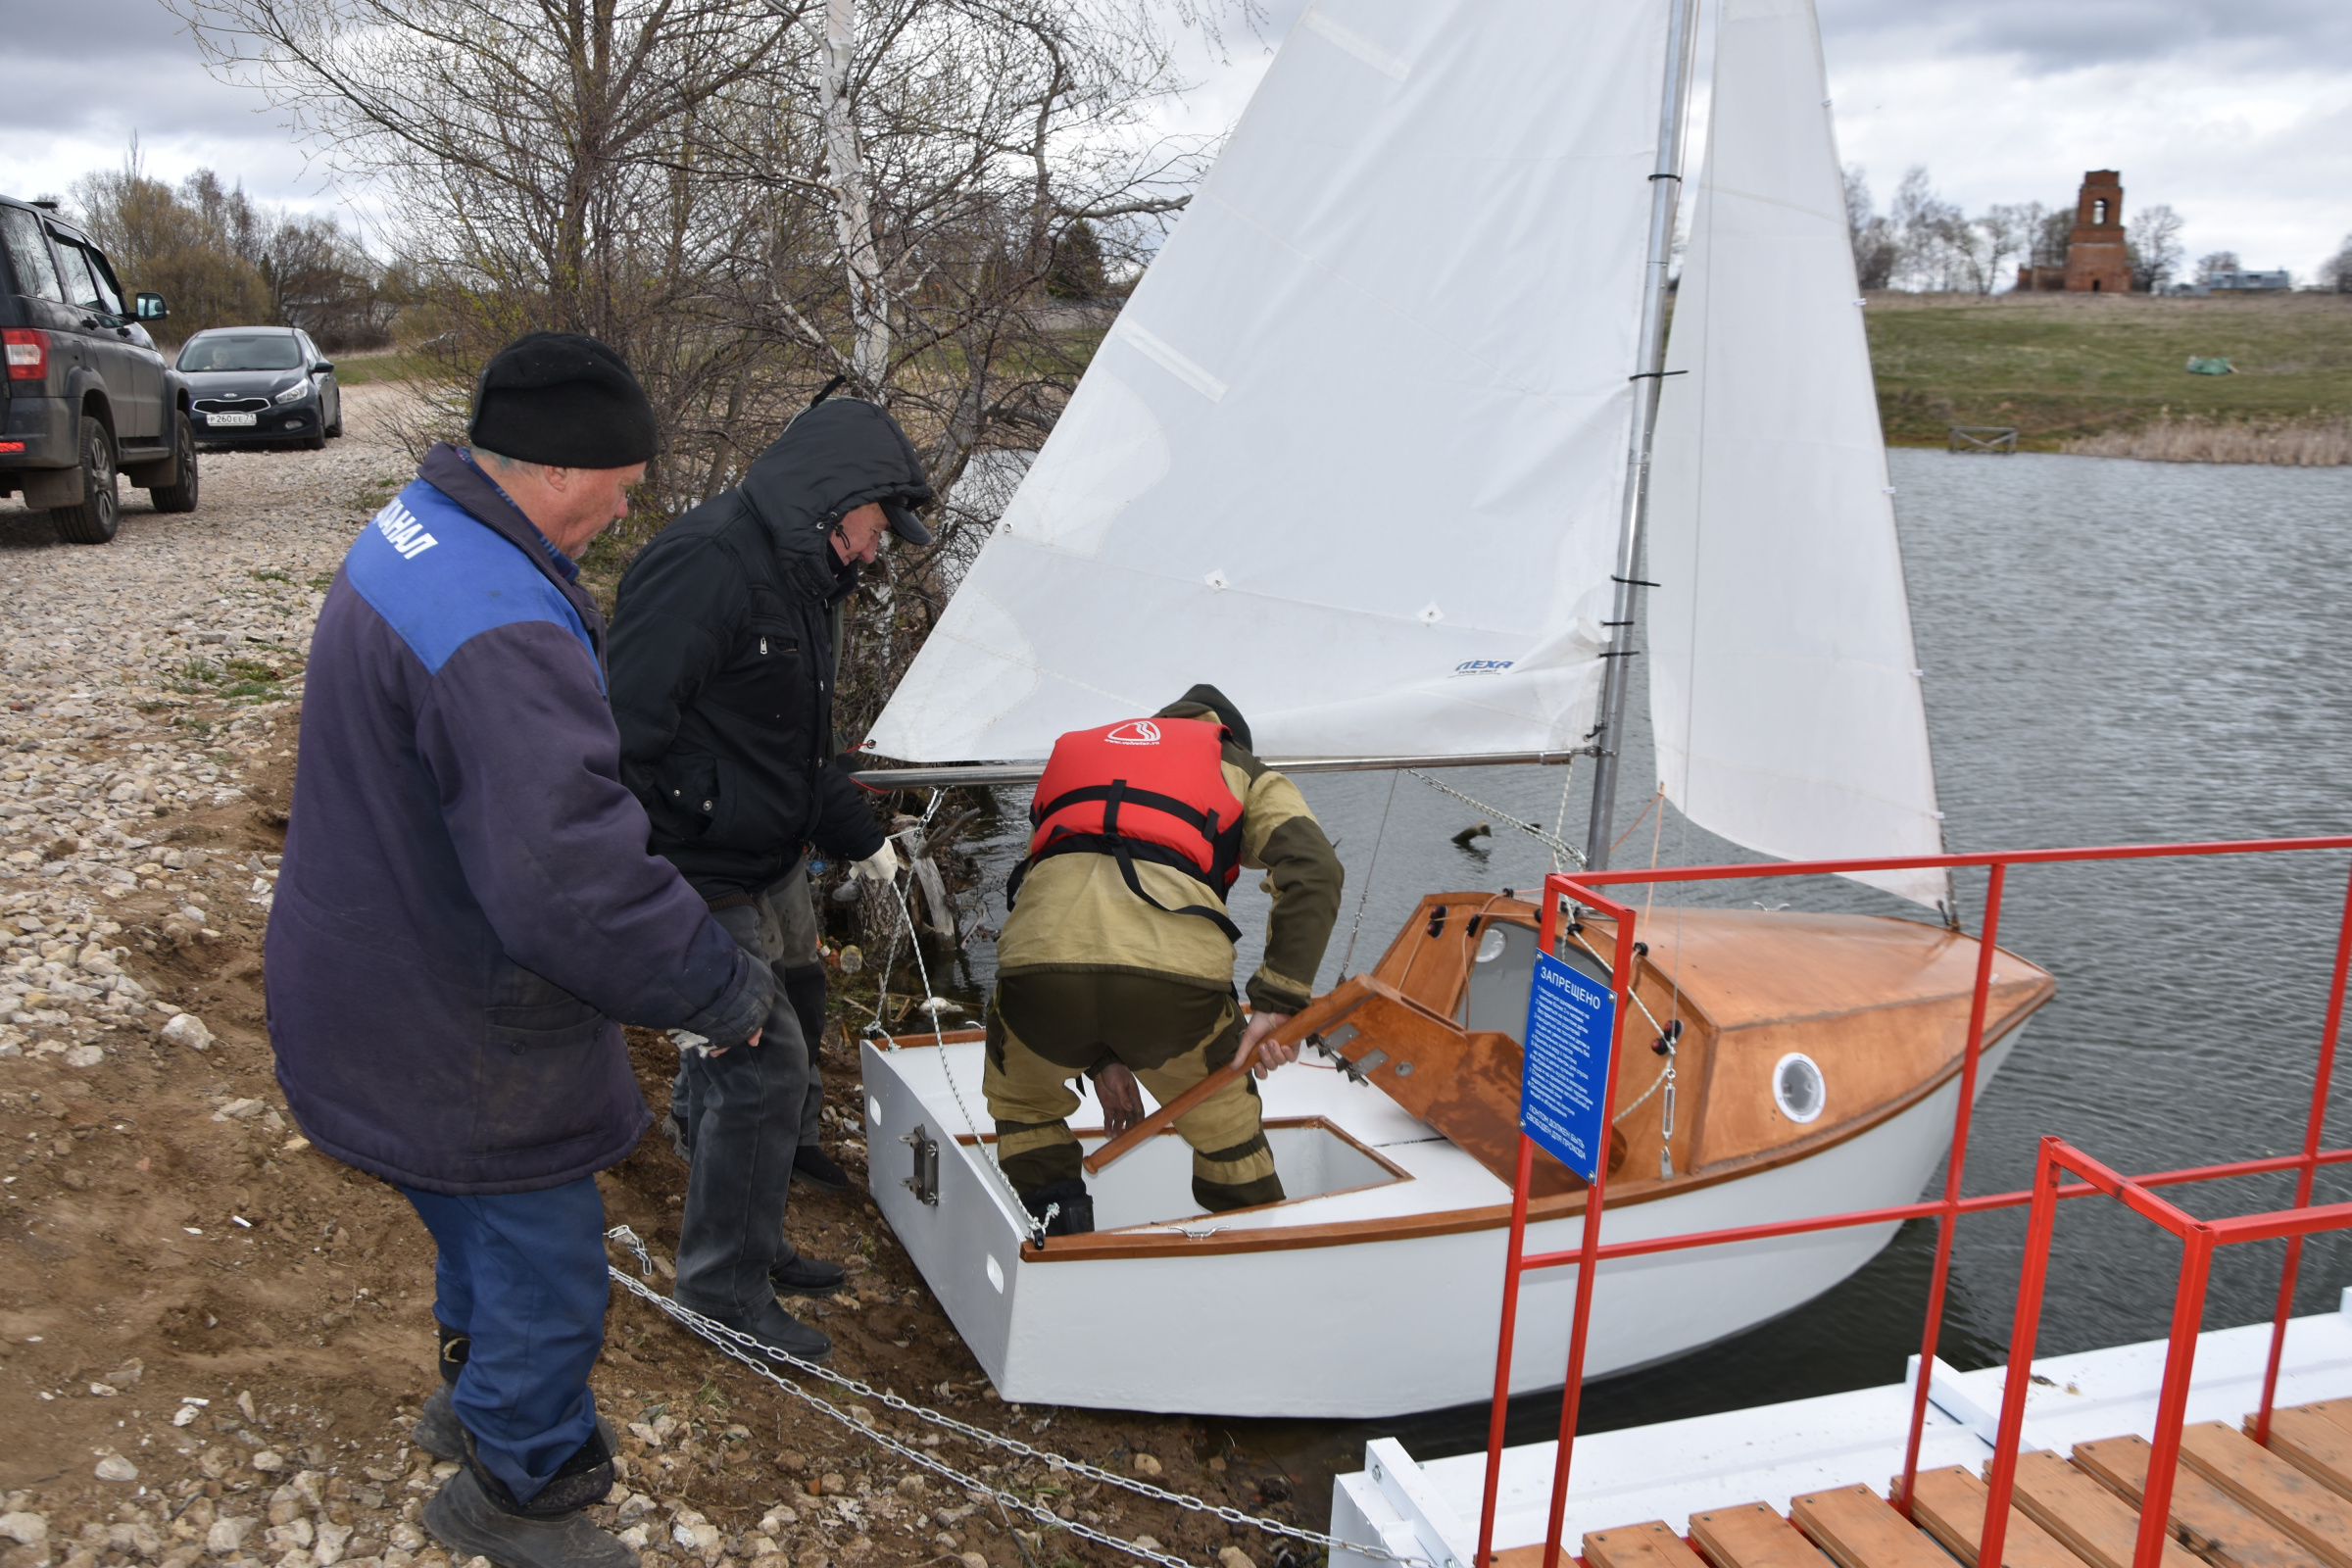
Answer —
295 393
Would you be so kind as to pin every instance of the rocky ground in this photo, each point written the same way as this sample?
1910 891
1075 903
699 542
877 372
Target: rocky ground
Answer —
214 1339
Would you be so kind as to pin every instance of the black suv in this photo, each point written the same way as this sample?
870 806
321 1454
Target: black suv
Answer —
86 395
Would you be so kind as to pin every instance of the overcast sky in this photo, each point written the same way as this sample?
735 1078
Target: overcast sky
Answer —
2237 113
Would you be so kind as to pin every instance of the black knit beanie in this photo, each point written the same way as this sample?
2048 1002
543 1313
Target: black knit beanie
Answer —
563 399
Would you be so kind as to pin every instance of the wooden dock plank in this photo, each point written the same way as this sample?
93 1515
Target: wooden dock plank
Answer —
2096 1525
2313 1445
1859 1529
1949 1504
1642 1545
2316 1517
1752 1535
2338 1412
2212 1523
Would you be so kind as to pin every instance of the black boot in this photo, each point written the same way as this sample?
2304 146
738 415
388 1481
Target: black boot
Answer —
474 1514
774 1329
437 1431
1077 1215
803 1275
811 1166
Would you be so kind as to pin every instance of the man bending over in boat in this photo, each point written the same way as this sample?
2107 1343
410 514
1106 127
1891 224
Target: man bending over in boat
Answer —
1117 959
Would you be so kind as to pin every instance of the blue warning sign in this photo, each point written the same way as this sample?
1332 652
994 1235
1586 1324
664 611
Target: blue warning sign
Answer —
1570 1019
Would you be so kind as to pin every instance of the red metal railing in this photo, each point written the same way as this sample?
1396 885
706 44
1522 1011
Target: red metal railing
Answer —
2198 1239
2293 1223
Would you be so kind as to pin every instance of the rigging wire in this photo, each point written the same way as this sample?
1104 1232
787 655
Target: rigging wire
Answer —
1535 830
1365 898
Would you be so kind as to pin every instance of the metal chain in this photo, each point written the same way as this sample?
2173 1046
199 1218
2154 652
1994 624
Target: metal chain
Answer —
1550 841
750 1353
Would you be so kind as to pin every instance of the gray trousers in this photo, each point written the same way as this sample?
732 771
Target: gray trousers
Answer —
743 1116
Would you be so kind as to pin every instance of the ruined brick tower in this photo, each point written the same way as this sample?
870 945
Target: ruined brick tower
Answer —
2096 261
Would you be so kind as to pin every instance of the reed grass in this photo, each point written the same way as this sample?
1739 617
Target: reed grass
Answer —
2300 443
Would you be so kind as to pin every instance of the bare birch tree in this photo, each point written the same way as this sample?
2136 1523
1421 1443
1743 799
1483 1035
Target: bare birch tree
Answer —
749 199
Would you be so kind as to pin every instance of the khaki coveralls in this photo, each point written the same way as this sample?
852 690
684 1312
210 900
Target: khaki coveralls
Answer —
1088 975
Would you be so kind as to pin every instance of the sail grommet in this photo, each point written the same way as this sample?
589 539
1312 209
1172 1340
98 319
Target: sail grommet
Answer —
1798 1088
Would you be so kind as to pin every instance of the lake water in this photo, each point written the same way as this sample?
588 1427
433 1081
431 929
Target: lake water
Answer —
2114 652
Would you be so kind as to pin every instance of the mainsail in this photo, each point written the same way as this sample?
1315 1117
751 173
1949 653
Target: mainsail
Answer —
1782 693
1353 450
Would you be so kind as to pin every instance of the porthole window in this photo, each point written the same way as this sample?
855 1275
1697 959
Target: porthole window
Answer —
1797 1087
1489 946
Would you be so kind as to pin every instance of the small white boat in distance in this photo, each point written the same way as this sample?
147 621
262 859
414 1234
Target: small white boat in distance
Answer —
1362 451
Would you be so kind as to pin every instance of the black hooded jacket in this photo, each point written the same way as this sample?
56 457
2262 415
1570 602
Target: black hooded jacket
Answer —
722 663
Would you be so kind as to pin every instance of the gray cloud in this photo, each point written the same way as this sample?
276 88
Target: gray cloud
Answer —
85 76
2049 36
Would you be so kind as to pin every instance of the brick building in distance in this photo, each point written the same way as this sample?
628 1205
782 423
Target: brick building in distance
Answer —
2096 259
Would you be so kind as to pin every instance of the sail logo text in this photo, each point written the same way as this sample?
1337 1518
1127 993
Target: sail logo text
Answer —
1483 666
406 534
1135 733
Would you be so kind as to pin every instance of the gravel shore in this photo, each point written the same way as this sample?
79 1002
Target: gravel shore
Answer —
213 1340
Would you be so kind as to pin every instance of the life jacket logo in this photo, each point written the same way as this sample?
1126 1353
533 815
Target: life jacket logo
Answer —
1135 733
1483 666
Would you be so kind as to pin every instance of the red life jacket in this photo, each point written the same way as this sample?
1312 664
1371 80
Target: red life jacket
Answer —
1148 788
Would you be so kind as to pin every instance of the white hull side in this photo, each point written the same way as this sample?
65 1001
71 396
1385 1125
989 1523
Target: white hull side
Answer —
1393 1325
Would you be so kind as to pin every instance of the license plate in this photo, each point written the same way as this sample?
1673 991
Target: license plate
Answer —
230 418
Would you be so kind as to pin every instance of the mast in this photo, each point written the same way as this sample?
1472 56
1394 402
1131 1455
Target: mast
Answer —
1665 193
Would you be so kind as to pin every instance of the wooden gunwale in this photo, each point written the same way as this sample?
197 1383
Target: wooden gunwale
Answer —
1449 1222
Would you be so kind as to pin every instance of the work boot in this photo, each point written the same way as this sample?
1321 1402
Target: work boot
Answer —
437 1431
1077 1215
811 1166
775 1330
474 1514
803 1275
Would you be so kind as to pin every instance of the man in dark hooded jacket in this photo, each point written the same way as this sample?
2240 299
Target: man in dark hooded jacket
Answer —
723 664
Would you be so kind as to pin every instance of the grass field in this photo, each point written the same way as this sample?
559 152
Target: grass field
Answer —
357 369
2063 368
2104 373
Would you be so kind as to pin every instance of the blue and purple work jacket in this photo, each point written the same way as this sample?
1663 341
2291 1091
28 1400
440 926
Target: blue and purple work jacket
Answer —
467 904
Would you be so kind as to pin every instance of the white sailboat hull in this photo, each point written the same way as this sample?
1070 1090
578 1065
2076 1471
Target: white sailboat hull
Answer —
1392 1323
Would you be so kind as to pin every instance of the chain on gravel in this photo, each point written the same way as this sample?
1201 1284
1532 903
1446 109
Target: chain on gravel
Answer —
758 1356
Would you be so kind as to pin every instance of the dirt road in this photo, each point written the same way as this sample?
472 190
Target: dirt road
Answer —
212 1339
